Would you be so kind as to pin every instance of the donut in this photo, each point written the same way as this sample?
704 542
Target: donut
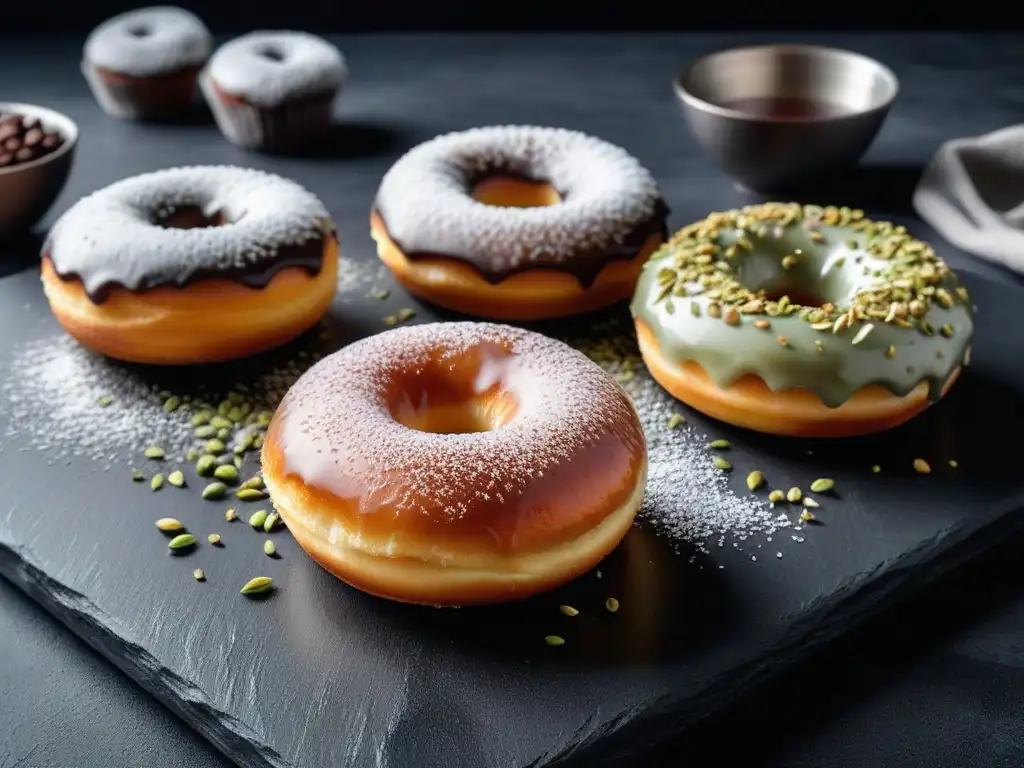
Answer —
274 91
518 222
191 265
456 464
802 320
144 64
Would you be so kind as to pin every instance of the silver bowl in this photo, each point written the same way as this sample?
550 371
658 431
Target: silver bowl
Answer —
773 116
28 190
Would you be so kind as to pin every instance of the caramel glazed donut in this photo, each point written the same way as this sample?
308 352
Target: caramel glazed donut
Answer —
191 265
456 464
518 223
802 320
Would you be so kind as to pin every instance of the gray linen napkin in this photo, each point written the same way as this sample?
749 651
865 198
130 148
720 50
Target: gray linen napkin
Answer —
972 193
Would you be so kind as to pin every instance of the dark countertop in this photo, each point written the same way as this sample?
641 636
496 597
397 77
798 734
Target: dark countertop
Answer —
939 683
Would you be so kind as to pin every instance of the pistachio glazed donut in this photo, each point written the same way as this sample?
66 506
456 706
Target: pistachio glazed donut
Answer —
802 320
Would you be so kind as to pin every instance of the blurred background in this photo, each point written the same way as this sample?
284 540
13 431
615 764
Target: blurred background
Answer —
224 16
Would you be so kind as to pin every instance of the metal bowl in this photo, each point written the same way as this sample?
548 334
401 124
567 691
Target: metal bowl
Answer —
28 190
773 116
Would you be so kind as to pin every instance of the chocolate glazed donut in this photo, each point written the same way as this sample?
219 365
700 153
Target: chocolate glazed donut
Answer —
191 265
518 222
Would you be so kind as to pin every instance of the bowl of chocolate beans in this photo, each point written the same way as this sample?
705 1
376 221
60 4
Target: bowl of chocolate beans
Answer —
37 146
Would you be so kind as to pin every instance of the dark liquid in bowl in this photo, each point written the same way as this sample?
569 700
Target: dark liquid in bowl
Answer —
786 108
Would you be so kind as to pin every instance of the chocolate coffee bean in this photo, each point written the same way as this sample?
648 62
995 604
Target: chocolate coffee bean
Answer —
33 136
24 139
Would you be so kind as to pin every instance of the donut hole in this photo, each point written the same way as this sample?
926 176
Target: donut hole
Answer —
506 191
190 217
271 53
805 296
140 30
808 283
470 394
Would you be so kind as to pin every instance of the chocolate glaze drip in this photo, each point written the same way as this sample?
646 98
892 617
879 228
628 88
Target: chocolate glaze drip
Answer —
308 256
585 265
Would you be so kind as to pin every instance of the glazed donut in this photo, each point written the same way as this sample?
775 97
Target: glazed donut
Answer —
145 63
191 265
802 320
518 223
274 91
456 463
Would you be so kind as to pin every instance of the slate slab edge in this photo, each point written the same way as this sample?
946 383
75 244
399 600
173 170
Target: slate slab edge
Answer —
855 602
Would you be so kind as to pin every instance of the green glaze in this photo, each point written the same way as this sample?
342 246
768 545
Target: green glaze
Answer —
735 260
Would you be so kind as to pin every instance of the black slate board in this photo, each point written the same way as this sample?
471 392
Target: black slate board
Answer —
321 675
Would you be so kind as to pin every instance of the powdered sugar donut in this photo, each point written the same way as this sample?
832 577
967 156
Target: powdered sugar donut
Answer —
144 63
191 265
274 90
518 222
456 463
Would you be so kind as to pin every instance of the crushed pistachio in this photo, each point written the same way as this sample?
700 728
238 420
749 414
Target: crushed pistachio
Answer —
721 463
719 444
696 261
568 610
675 420
794 494
612 605
922 467
822 485
257 586
755 479
554 640
181 541
214 491
777 496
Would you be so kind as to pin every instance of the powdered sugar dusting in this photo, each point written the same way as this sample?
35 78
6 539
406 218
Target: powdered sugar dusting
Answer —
109 237
425 203
149 41
687 499
337 432
70 403
268 68
53 390
357 277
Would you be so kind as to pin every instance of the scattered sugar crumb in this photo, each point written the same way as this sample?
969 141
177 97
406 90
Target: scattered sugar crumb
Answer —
53 388
357 278
687 499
